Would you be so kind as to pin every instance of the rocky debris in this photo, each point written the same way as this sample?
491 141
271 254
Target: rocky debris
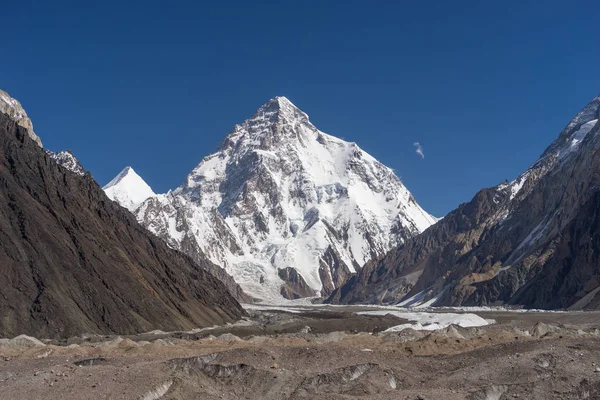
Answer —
332 337
438 365
584 390
158 392
306 329
156 332
540 329
44 353
128 343
88 362
21 342
189 364
113 342
74 261
494 392
405 335
340 381
451 332
258 339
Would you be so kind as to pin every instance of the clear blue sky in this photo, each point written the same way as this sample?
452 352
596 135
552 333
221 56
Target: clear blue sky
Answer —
483 86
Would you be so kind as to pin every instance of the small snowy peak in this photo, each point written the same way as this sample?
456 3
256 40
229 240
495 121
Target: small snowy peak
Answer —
67 160
16 112
128 189
430 321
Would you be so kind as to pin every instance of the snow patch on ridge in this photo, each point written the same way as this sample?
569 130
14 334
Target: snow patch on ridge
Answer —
280 193
67 160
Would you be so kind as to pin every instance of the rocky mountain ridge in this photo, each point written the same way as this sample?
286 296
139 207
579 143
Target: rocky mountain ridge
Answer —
529 242
67 160
73 261
13 109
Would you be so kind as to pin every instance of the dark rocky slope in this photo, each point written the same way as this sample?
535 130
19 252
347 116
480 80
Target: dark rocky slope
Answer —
72 261
531 242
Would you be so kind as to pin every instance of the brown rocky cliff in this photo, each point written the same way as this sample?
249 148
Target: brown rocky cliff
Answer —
72 261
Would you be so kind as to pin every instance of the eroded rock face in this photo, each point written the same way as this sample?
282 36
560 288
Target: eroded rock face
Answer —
13 109
294 287
67 160
73 261
529 242
281 194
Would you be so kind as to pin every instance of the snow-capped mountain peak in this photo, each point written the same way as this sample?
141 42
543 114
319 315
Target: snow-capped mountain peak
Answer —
285 208
128 189
277 112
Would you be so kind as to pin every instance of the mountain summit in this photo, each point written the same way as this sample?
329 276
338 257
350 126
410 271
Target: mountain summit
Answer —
128 189
285 208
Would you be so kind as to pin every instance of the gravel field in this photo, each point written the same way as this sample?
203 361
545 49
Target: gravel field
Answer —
318 354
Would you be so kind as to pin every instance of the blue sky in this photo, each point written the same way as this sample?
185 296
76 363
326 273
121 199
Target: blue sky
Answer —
483 86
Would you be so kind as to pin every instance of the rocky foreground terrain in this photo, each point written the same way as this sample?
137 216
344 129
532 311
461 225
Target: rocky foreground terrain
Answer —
317 355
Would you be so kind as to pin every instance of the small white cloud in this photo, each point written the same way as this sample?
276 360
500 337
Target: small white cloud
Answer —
419 149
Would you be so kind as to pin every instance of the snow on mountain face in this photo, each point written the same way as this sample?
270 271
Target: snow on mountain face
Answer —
68 161
561 151
280 199
128 189
15 111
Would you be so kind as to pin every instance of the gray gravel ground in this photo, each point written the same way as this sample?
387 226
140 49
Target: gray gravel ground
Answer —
318 355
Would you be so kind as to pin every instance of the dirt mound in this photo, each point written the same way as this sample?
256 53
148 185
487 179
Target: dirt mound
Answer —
21 342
